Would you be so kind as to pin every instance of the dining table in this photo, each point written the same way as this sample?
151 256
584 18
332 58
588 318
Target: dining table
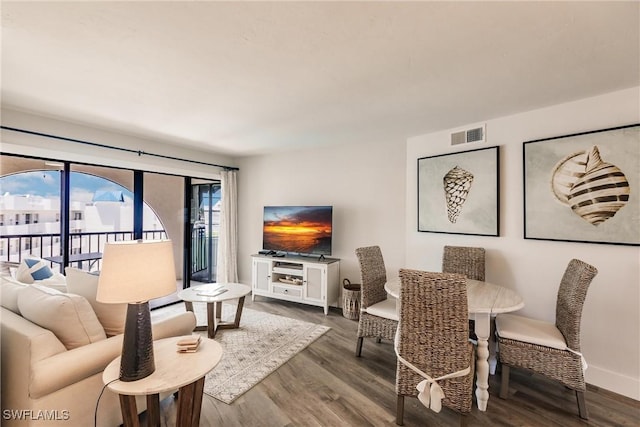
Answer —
484 300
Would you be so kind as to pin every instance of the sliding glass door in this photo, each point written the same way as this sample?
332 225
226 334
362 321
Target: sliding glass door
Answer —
205 228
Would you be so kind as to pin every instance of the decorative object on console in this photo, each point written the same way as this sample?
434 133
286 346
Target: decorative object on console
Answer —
583 187
458 193
134 272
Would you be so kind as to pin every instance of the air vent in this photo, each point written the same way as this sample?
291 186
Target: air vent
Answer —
476 134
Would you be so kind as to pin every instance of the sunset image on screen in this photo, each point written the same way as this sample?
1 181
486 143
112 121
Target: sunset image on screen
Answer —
300 229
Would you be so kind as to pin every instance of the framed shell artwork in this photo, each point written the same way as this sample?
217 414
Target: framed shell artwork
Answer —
584 187
458 192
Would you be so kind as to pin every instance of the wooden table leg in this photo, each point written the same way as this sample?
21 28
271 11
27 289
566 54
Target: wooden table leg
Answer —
219 312
482 362
153 410
239 312
189 306
129 411
197 402
211 321
190 404
236 322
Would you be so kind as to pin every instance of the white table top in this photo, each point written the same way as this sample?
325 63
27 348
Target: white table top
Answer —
198 293
482 297
173 369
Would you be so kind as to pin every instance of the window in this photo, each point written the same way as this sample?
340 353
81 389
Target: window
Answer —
17 221
77 216
1 219
27 218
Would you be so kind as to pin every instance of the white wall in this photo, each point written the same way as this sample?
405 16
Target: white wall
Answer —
363 181
32 145
611 316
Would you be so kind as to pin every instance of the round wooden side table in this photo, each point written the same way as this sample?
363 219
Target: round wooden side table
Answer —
182 371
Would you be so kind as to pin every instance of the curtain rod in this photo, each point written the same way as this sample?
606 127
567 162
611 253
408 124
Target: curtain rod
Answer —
129 150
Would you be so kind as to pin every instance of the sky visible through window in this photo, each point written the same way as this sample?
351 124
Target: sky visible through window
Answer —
47 184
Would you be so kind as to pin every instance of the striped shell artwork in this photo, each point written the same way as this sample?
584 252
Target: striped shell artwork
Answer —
594 189
457 183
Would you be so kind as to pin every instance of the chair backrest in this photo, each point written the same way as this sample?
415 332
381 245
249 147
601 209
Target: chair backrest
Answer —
464 260
433 326
373 275
571 294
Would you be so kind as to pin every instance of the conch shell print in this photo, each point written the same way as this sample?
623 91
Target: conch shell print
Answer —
457 183
595 190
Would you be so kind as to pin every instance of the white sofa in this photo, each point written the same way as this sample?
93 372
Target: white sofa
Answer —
46 383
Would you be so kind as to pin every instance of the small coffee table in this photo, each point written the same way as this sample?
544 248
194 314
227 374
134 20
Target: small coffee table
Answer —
213 294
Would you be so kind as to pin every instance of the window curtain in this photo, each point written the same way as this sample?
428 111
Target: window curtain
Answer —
227 262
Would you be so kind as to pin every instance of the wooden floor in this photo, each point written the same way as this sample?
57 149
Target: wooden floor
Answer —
326 385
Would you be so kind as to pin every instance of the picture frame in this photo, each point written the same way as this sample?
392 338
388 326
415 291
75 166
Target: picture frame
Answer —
584 187
458 193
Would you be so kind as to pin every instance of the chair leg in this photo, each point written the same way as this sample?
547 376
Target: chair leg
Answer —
463 420
400 410
378 340
504 385
359 346
582 405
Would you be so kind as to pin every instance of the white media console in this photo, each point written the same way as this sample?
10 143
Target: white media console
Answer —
303 279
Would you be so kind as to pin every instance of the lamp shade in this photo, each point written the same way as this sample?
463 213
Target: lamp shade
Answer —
136 271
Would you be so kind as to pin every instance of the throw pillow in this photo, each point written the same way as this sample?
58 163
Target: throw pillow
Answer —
70 317
9 290
112 316
32 269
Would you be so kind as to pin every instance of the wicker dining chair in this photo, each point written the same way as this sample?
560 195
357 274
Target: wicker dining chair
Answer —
552 350
465 260
378 314
433 337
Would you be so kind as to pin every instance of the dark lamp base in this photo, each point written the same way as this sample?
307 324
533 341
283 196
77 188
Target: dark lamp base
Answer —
137 345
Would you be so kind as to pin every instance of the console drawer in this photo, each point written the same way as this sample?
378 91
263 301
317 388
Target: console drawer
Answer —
292 292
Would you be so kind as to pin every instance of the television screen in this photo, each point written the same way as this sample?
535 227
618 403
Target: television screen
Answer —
298 229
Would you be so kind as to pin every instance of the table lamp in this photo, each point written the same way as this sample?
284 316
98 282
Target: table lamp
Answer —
134 272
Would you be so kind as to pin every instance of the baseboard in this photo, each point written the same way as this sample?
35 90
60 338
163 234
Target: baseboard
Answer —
613 381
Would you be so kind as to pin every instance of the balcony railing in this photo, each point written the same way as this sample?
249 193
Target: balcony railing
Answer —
15 247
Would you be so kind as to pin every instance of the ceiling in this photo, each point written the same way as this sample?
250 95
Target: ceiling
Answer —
245 78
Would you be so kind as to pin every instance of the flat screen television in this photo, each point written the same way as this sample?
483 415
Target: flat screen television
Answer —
297 229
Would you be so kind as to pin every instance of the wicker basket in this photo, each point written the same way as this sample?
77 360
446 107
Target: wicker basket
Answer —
350 300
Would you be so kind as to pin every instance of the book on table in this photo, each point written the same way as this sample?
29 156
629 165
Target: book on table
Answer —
188 345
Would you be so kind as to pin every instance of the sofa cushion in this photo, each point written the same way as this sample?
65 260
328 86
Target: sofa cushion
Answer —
69 316
9 290
112 316
32 269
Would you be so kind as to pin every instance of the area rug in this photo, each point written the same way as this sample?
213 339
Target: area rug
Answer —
262 344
